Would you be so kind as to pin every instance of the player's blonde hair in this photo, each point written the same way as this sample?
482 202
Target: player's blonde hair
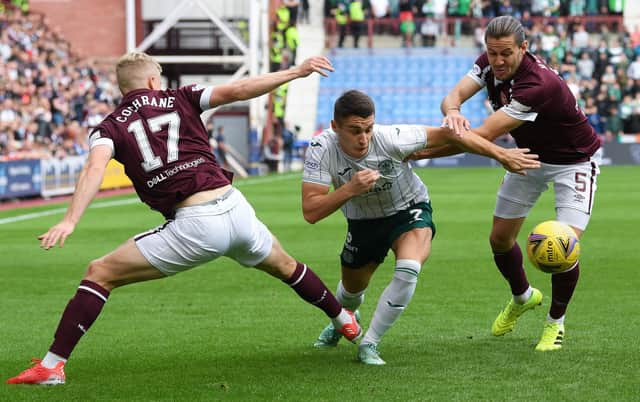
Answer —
133 69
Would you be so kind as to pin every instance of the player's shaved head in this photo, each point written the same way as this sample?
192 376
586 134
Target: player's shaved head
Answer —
353 103
134 69
505 26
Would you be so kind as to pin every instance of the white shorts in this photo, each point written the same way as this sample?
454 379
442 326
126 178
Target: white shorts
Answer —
574 187
226 226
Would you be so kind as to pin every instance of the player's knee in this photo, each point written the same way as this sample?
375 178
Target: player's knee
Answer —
97 272
500 243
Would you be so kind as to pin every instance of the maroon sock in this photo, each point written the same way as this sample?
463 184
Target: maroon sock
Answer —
562 287
311 288
81 311
510 266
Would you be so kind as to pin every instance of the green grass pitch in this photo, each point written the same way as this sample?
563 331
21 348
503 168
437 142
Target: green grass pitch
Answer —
223 332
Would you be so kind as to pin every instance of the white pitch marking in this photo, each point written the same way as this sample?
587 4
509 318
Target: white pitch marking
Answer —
114 203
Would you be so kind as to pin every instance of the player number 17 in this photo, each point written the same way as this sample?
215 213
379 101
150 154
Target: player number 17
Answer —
155 124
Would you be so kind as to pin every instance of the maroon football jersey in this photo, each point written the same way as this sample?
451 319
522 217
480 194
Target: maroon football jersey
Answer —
159 138
554 126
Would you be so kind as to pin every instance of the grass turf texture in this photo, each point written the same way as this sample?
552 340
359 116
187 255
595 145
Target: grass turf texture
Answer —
225 332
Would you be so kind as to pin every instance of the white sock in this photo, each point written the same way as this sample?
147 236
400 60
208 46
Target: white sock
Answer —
350 301
555 320
341 319
522 298
51 360
393 300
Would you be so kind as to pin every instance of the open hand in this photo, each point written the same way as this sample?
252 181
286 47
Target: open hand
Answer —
318 64
57 233
518 160
456 122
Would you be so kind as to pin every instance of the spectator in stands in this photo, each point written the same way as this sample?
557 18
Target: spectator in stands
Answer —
539 7
277 48
380 8
585 66
548 41
429 32
292 6
613 126
407 24
341 15
272 149
506 8
633 71
304 12
626 109
635 114
601 64
609 75
591 111
580 38
357 16
616 52
568 66
292 40
283 15
329 23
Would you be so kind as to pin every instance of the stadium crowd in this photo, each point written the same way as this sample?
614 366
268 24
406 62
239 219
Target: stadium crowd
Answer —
601 68
51 97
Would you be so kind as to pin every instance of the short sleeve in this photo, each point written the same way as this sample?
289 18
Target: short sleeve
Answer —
479 71
316 163
101 136
524 96
197 95
401 140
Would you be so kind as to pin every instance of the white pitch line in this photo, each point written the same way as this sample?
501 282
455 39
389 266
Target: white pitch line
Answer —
126 201
55 211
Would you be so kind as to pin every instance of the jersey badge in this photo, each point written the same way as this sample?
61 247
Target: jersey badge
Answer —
385 167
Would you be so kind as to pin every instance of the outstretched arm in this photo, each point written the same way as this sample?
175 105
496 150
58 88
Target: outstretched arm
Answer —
86 189
443 139
497 124
255 86
318 202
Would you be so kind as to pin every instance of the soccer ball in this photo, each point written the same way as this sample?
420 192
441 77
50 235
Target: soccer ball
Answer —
553 247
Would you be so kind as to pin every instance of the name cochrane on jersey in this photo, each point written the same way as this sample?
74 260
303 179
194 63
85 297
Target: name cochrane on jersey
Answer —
170 172
144 100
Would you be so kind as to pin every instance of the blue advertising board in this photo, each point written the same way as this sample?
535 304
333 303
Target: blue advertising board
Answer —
20 179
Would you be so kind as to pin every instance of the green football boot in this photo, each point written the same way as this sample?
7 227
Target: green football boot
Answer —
552 336
507 318
368 354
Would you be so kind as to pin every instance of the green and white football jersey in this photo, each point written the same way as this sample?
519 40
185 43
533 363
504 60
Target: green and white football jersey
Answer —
398 187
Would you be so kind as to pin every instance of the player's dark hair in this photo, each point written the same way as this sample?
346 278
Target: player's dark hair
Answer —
505 25
353 103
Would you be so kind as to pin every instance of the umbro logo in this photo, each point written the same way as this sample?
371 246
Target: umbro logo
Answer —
344 171
393 305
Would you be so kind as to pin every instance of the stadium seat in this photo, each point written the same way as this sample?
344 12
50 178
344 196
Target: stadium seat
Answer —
407 88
